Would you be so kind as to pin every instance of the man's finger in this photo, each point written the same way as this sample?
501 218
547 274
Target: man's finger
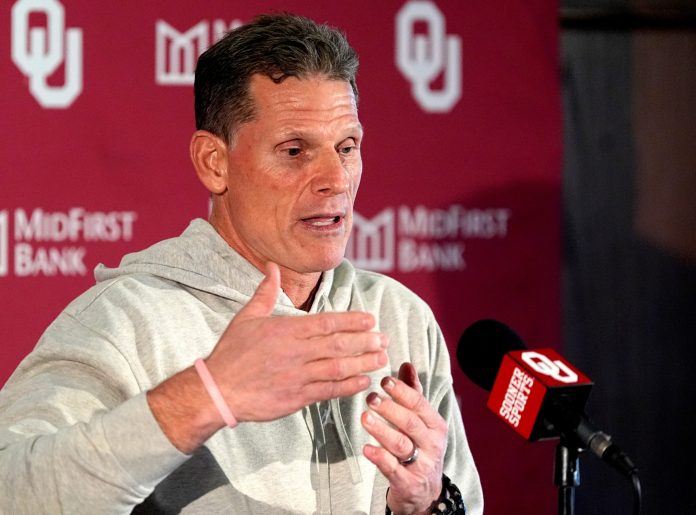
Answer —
338 369
406 401
408 374
404 420
342 345
392 440
325 390
328 323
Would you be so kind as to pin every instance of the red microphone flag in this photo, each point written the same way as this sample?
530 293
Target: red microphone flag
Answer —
529 381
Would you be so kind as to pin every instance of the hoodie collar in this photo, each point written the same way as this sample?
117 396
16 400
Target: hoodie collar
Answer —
200 258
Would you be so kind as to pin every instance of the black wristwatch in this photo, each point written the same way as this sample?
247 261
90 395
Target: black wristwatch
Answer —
450 501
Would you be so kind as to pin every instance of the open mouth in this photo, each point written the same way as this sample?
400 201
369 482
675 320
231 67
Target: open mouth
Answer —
322 221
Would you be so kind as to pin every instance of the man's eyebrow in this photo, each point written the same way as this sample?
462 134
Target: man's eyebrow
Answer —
291 133
356 127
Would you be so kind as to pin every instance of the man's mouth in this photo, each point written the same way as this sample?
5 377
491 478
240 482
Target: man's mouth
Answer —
322 221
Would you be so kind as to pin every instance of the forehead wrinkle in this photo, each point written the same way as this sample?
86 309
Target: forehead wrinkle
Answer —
292 127
295 131
292 109
296 100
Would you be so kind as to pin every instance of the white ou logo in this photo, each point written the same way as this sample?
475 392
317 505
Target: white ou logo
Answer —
555 369
422 58
38 52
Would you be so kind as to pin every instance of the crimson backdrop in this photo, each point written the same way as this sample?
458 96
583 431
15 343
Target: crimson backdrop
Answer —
460 196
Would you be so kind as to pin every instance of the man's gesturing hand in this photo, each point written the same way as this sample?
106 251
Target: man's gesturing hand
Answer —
410 421
268 367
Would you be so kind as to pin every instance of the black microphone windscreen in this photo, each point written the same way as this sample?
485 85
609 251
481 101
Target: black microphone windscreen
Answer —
481 349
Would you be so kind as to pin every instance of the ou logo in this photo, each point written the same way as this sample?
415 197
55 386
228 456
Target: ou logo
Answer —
39 51
555 369
422 58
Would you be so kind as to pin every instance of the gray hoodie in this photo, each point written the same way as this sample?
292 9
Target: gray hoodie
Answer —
77 435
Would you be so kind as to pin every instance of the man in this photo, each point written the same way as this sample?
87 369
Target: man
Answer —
115 411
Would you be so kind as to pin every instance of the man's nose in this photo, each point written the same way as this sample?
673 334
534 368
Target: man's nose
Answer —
331 176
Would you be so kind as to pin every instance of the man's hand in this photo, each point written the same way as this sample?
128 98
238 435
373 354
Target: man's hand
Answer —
410 421
269 367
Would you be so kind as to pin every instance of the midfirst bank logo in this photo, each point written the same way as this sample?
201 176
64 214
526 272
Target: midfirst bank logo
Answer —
41 243
414 239
176 53
40 51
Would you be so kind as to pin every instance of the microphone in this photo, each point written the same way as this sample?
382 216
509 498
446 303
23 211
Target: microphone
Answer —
536 392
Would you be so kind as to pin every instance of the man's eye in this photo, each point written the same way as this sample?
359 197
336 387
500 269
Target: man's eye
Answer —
347 149
294 151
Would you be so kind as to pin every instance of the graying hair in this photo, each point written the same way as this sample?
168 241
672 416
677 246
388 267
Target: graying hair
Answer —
278 46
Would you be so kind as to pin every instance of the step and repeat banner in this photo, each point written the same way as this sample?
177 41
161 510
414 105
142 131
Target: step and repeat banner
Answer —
460 196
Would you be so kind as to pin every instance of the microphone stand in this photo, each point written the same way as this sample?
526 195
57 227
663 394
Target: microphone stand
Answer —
566 475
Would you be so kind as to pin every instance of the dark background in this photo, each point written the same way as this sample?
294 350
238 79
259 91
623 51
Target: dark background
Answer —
629 75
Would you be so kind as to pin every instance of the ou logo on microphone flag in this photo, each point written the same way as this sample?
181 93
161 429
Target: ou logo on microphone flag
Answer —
555 369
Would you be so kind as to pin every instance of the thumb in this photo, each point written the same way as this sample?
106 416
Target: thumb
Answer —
264 299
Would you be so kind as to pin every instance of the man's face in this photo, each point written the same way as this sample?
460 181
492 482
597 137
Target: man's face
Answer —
293 173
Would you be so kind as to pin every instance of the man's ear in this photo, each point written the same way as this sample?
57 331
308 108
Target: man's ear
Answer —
209 157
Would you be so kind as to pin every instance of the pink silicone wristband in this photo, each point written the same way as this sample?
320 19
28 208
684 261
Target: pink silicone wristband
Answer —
214 392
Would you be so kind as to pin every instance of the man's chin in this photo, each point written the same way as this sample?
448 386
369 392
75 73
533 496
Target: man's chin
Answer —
321 264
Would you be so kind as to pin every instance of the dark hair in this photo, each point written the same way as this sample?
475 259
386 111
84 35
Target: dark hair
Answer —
278 46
